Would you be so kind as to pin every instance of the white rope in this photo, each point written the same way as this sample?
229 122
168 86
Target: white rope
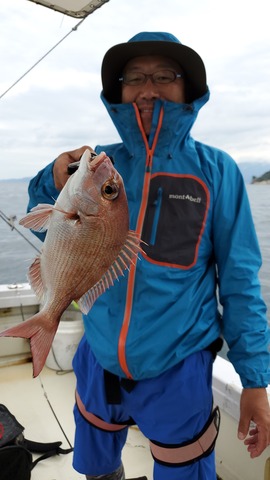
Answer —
35 64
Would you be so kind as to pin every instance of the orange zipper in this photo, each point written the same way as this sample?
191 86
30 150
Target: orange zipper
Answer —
139 227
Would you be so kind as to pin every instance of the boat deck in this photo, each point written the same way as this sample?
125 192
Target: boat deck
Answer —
44 407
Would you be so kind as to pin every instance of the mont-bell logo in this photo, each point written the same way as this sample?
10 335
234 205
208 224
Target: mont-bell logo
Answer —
187 197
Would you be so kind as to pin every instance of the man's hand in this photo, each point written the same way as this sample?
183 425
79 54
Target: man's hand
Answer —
60 174
254 407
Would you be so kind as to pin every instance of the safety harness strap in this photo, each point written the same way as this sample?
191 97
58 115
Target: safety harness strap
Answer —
97 421
189 452
166 454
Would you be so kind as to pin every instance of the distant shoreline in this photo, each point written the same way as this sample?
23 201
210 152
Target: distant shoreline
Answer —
24 179
262 182
262 179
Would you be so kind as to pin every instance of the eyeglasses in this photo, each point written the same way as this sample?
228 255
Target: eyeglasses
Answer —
162 77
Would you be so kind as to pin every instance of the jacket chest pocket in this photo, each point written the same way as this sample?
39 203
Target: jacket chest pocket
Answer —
175 219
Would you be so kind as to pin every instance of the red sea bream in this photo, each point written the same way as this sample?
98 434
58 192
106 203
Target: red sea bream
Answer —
87 246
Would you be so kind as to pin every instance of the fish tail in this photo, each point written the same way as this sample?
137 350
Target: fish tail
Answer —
40 331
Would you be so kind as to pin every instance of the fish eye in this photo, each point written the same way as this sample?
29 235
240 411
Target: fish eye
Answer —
110 190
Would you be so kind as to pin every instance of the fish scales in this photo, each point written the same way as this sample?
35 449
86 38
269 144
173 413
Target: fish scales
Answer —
87 246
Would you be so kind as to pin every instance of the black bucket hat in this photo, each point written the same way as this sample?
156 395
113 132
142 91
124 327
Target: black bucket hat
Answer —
152 43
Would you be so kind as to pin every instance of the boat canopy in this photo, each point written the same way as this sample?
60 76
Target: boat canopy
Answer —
73 8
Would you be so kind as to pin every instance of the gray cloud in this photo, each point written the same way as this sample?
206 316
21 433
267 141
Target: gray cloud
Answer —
56 107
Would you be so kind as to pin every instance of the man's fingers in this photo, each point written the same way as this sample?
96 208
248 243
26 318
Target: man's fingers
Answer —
60 169
256 442
243 428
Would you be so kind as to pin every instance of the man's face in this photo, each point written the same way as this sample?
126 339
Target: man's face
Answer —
144 95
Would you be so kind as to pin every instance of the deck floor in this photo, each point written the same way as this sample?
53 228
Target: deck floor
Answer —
30 399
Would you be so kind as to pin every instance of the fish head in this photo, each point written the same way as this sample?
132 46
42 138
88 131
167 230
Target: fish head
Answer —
97 188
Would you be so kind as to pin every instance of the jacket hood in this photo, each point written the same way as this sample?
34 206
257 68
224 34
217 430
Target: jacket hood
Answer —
177 122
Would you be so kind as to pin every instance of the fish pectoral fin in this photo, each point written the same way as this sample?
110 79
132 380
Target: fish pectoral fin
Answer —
39 217
41 333
35 279
127 255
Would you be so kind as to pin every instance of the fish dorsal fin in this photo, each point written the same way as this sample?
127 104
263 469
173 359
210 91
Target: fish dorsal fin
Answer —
34 276
39 217
127 255
87 300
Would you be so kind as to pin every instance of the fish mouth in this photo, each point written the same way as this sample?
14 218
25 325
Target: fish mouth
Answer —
96 160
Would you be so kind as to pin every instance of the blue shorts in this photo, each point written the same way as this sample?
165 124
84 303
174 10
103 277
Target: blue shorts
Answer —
171 408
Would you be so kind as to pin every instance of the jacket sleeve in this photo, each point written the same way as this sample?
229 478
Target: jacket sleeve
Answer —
42 190
238 259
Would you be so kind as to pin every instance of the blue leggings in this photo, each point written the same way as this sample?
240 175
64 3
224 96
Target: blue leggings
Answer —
171 408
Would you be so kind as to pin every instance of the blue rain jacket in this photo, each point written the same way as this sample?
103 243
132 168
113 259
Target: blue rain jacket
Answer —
189 202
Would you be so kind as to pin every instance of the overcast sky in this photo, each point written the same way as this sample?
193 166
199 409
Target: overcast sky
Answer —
56 107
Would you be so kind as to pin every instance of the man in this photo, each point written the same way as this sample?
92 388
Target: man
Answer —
150 340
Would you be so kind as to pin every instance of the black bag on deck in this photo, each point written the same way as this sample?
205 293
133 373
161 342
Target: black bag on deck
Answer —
16 461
